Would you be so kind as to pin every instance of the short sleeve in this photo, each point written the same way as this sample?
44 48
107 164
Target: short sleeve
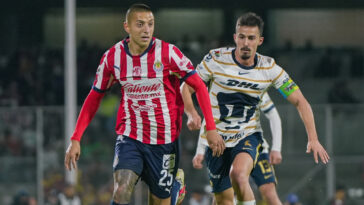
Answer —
104 77
204 68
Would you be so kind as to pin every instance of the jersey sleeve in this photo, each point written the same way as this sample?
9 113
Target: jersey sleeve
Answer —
266 103
182 67
204 68
282 81
104 76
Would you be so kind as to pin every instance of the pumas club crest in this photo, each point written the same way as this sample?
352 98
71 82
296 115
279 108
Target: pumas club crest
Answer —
158 66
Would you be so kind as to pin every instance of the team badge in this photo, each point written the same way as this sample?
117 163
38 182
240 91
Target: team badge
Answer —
158 66
217 53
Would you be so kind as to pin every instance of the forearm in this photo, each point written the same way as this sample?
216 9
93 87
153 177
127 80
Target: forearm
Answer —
276 129
306 114
200 147
203 99
187 91
88 111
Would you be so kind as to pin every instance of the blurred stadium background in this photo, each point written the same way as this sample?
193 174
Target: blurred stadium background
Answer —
318 42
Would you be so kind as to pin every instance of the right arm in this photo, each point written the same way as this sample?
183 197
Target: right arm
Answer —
88 111
103 81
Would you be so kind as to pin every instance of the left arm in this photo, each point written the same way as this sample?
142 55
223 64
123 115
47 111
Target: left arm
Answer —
275 156
306 114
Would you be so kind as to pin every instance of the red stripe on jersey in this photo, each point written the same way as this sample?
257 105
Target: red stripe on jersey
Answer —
133 121
146 123
137 69
169 90
120 119
150 60
178 52
123 66
160 121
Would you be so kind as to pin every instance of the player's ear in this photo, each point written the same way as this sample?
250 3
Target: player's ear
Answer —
126 26
261 39
234 37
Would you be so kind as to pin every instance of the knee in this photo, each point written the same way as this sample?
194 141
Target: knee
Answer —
239 176
122 193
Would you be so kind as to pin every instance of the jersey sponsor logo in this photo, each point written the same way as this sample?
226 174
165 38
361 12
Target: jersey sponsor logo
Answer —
241 84
137 71
143 108
169 161
267 176
142 91
158 66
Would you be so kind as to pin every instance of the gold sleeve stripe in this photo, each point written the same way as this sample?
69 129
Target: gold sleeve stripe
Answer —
238 90
207 68
227 53
266 104
266 68
236 77
214 94
224 63
227 131
278 76
251 127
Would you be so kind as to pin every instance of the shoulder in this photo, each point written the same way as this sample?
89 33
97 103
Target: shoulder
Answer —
219 55
265 62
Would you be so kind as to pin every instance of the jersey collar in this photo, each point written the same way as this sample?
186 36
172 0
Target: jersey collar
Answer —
243 66
126 47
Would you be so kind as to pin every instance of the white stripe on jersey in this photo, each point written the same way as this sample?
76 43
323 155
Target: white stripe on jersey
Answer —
129 61
117 60
100 71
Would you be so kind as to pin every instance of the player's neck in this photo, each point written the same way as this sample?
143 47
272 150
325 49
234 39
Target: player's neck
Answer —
136 49
246 62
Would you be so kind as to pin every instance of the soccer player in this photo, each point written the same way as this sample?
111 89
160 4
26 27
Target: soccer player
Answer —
149 118
237 78
263 174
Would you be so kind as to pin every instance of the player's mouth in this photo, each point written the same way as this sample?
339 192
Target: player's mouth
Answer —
145 38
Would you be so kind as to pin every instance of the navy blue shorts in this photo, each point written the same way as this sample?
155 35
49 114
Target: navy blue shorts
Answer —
155 164
263 172
219 167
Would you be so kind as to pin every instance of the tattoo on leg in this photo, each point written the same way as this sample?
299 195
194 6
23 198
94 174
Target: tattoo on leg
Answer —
124 183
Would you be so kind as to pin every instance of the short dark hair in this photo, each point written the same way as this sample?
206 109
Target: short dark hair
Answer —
137 8
251 19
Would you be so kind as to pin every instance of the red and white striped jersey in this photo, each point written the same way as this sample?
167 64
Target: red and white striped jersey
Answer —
151 105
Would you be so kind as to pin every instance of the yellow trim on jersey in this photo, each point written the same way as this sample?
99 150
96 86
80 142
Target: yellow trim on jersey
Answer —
278 75
217 61
227 53
266 68
237 77
217 107
237 90
269 102
251 127
214 94
227 131
207 68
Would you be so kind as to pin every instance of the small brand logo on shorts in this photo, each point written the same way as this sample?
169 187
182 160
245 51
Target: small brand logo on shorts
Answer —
169 161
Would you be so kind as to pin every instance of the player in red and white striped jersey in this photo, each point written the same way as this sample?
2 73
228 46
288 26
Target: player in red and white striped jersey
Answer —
149 119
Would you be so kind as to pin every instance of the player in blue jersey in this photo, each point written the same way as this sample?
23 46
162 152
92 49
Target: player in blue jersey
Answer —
237 79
